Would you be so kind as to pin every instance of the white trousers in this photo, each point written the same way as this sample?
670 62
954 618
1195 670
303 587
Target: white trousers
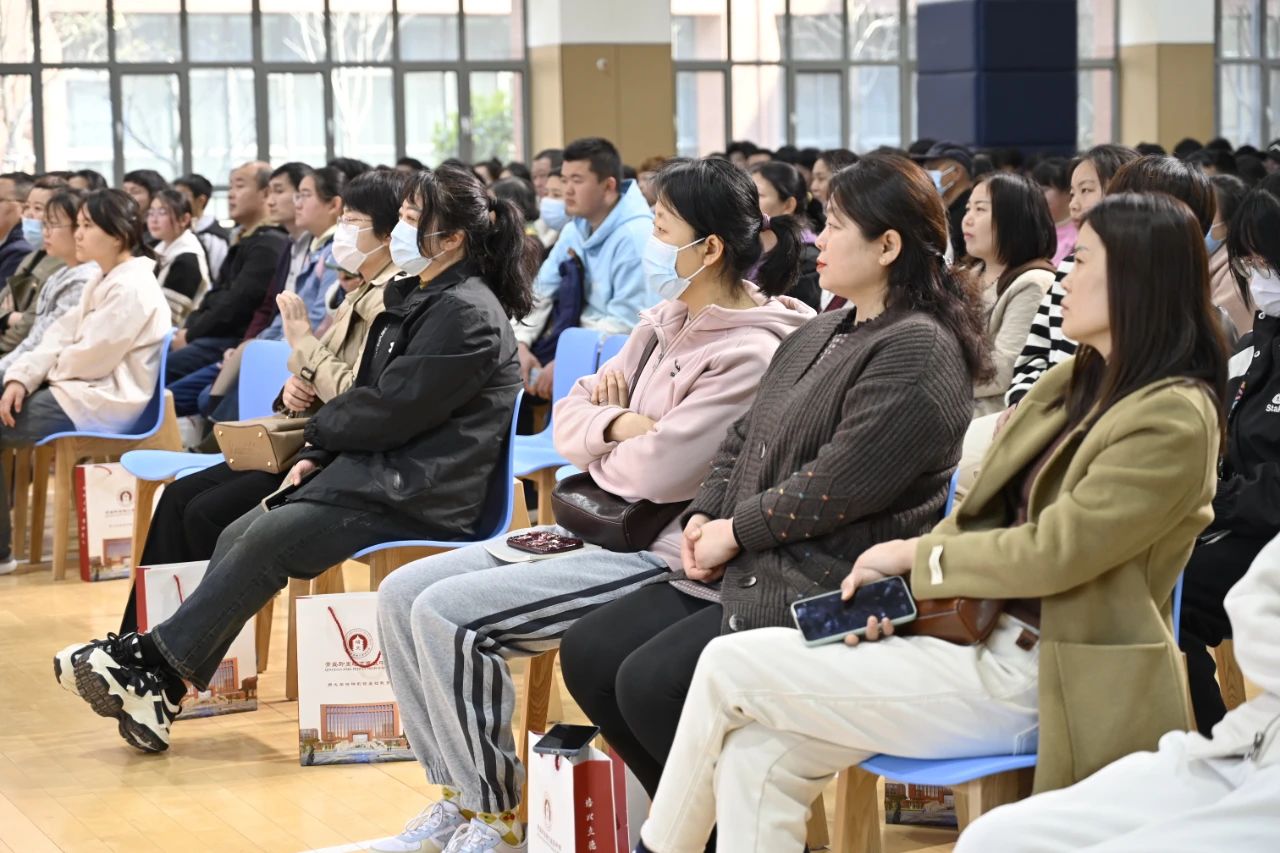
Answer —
1148 802
768 723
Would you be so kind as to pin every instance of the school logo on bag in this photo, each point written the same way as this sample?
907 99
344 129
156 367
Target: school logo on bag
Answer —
359 645
1274 406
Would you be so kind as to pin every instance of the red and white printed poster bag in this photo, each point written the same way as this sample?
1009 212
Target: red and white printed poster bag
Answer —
578 804
347 712
234 688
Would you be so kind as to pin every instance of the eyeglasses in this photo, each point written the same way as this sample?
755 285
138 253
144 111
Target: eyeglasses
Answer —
356 223
303 196
157 214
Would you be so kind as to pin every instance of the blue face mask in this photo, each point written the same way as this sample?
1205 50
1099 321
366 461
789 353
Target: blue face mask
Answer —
552 212
938 175
404 249
33 232
660 267
1212 243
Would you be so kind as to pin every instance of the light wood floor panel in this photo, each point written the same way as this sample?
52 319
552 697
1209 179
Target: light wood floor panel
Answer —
68 783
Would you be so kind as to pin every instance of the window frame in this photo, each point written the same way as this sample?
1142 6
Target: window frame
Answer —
1267 127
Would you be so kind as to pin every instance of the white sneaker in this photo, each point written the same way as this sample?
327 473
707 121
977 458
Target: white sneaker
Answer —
429 832
479 837
8 566
191 428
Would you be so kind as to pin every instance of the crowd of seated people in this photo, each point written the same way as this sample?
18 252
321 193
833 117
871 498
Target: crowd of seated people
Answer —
816 341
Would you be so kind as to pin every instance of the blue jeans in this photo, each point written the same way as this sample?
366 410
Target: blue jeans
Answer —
40 416
188 389
195 355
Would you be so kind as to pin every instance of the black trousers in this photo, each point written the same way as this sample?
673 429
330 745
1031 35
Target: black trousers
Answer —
1212 570
192 514
628 665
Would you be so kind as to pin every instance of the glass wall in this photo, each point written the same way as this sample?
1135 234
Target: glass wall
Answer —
1248 49
203 85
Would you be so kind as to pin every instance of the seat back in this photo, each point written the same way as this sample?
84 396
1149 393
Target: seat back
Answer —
575 358
264 368
148 423
951 494
500 498
611 346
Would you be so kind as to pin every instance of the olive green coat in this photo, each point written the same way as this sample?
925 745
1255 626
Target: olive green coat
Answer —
1113 516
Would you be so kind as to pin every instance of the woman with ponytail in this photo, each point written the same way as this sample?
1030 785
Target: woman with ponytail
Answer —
644 428
851 440
407 452
788 238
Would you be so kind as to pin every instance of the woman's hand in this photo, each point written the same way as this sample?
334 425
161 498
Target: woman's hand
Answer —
178 341
300 470
611 390
528 363
298 394
629 425
879 562
293 316
713 545
11 402
876 630
545 387
687 559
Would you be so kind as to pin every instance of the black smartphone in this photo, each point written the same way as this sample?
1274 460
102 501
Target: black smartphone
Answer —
566 740
826 618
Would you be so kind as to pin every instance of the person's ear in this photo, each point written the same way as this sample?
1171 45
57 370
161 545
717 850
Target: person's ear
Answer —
789 209
452 241
714 250
890 247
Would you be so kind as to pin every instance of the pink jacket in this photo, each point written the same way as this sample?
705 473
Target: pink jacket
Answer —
700 379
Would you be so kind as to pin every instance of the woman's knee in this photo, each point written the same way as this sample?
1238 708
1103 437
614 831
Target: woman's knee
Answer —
588 668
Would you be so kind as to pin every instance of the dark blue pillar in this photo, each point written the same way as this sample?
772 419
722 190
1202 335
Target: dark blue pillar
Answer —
998 73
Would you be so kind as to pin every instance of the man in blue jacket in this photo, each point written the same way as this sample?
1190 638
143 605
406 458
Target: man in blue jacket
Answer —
610 224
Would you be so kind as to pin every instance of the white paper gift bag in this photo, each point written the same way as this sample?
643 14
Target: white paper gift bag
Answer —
347 712
104 512
234 687
571 803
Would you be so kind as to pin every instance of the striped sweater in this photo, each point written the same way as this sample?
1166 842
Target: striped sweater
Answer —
1046 345
851 441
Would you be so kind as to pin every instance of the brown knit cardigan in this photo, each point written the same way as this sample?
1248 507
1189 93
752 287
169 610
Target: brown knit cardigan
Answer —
837 453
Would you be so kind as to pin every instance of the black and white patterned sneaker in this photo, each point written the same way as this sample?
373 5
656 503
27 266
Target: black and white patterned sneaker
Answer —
115 682
64 664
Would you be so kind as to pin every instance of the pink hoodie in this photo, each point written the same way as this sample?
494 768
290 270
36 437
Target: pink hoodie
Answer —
700 379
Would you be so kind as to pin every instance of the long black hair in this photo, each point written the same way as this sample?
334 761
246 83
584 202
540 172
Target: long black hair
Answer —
115 212
1163 323
715 197
1020 222
1254 233
887 192
454 199
788 183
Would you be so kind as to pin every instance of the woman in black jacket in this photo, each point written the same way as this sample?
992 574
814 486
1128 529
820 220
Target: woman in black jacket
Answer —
783 193
407 453
1246 508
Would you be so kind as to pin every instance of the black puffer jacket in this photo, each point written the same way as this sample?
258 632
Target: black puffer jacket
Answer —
422 428
1248 498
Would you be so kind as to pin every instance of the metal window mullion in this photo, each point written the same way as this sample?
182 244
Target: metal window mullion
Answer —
184 93
906 94
397 84
330 118
261 84
37 89
114 89
466 150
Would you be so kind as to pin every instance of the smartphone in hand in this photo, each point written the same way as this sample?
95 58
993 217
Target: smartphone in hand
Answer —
827 619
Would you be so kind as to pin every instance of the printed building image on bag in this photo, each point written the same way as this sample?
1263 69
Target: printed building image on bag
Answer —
104 512
347 713
919 805
234 686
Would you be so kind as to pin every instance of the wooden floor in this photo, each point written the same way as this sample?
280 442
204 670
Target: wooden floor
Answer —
68 782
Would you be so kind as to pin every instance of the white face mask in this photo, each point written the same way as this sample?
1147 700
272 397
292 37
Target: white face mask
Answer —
659 262
345 249
404 249
1264 287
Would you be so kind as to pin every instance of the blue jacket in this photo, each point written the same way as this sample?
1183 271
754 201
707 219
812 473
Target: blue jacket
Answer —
615 286
312 285
12 250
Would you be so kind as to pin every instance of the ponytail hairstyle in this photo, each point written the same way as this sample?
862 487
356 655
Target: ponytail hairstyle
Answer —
715 197
887 192
330 182
788 183
115 212
454 199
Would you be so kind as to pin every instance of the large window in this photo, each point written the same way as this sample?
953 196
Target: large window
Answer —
202 85
1248 50
1097 104
820 73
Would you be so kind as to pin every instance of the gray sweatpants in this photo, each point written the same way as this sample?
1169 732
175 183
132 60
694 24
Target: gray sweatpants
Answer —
448 626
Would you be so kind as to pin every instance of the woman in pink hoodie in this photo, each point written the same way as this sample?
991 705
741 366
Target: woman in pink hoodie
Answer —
644 427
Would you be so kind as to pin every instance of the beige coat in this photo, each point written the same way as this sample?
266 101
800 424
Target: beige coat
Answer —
1008 323
1114 514
102 358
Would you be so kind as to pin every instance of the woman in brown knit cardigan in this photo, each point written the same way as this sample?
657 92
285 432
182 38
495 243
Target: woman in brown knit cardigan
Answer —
851 441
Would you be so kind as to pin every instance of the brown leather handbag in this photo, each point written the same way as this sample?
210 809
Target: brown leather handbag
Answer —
602 518
261 444
963 621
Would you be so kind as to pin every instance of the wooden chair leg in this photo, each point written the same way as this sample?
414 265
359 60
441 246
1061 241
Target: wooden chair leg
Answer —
330 582
39 500
296 588
63 493
19 465
816 835
1230 678
976 798
520 512
545 481
143 507
262 634
857 813
539 687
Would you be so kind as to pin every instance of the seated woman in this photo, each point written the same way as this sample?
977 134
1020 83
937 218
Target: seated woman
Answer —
96 367
1229 192
183 269
1081 520
644 427
783 193
407 452
194 510
1246 508
1009 234
851 441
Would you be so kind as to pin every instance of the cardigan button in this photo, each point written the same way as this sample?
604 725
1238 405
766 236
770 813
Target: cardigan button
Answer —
735 622
748 582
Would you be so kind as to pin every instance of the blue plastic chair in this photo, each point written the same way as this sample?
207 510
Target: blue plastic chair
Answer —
535 455
611 346
566 471
156 427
